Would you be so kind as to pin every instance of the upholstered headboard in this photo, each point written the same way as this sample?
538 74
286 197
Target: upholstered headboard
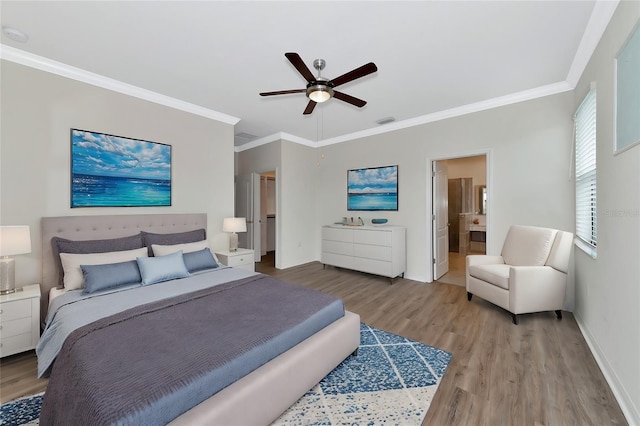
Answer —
103 227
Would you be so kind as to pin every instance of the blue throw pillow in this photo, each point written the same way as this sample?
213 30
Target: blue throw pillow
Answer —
102 277
199 260
162 268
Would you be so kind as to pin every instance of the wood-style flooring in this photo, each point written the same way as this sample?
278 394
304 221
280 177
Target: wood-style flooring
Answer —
539 372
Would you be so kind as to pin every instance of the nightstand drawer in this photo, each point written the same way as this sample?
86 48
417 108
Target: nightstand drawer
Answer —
19 320
240 260
15 344
15 309
15 327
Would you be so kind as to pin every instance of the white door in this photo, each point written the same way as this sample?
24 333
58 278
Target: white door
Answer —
440 219
248 205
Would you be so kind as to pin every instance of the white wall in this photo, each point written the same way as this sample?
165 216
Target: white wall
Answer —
37 111
296 186
264 158
298 205
607 288
528 146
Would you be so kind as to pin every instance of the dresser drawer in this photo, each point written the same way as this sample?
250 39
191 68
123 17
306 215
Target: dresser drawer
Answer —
15 309
378 238
337 234
338 247
372 266
373 252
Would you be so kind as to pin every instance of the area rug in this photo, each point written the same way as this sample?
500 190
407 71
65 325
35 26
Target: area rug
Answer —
391 381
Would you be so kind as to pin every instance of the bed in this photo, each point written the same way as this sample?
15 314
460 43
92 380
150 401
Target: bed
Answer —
258 396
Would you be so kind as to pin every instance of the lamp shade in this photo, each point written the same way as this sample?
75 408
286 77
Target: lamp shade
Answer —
15 240
234 224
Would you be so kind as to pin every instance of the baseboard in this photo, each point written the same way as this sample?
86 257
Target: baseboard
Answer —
630 411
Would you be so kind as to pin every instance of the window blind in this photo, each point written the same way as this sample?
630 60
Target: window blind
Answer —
585 167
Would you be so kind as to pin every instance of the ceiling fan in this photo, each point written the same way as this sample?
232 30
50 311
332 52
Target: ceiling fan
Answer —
320 89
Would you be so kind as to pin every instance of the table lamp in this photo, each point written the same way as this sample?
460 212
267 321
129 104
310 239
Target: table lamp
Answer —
233 225
13 240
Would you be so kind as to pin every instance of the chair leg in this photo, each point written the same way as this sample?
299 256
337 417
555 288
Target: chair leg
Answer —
559 314
469 296
515 319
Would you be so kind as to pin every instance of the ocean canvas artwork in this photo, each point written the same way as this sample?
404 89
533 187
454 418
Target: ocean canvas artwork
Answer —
373 188
115 171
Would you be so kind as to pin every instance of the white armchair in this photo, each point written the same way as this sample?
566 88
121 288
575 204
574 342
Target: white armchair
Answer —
529 276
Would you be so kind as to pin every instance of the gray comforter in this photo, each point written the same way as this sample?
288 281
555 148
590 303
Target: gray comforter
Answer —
151 363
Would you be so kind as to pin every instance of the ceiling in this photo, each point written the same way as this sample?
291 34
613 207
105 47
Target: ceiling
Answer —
435 58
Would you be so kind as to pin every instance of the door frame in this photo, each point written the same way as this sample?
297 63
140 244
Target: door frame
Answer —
278 209
429 201
439 192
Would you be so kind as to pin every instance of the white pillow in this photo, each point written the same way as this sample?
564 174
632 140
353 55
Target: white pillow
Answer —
162 250
73 278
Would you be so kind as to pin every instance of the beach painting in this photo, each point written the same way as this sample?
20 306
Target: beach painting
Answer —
372 189
114 171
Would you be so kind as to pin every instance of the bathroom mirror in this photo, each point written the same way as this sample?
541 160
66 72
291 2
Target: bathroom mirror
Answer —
481 199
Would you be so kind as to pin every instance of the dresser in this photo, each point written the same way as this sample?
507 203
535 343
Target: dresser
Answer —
379 250
241 258
20 320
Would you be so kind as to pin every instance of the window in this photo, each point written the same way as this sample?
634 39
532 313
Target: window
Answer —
585 135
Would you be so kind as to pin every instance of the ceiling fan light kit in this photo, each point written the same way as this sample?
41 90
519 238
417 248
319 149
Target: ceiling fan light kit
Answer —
319 92
319 89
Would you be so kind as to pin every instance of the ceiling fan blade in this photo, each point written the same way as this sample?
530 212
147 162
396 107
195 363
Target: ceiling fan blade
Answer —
349 99
283 92
356 73
309 109
297 62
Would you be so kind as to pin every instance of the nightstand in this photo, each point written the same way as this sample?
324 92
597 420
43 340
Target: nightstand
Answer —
20 320
242 258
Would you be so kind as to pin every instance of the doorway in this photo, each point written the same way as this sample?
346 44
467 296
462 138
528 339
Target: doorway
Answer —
255 195
268 218
465 198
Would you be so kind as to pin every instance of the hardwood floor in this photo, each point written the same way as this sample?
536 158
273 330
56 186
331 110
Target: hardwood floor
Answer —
457 269
539 372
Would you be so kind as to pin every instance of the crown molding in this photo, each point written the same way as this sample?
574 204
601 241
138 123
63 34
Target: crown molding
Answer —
538 92
275 138
45 64
601 15
258 142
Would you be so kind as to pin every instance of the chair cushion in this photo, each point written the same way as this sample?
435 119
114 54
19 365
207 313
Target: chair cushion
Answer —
527 245
497 274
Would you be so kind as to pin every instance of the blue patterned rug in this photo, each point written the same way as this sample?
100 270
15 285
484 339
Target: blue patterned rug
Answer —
391 381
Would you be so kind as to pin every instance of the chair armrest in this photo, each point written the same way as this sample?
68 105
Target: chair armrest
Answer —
536 288
481 259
